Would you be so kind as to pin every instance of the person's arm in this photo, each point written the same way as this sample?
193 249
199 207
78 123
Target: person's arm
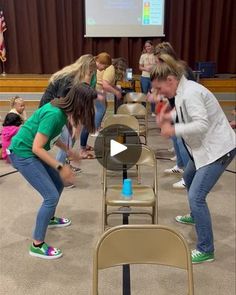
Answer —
147 68
39 142
111 88
198 119
70 152
142 67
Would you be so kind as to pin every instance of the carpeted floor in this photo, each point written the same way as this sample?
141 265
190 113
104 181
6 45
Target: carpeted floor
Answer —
21 274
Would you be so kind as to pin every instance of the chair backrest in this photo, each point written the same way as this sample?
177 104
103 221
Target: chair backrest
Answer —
129 158
120 119
135 97
144 244
134 109
146 156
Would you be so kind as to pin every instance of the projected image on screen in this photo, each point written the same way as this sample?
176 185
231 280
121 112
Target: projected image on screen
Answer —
152 12
124 18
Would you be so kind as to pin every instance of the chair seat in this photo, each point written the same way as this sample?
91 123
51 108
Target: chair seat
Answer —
143 196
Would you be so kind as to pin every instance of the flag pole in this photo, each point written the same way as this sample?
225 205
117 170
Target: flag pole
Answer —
3 69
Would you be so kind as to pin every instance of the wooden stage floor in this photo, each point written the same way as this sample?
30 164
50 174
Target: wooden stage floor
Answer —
224 87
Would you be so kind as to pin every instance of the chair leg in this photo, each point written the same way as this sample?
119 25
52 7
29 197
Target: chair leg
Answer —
139 174
105 218
153 215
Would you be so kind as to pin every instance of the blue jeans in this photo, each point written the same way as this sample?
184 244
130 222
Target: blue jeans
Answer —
66 138
84 138
182 155
47 182
146 86
99 113
199 183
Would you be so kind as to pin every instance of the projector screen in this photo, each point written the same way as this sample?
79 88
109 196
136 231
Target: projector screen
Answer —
124 18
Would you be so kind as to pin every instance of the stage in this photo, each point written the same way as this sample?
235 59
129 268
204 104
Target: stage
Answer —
31 87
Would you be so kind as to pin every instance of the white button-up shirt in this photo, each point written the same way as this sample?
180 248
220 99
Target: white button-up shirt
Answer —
202 123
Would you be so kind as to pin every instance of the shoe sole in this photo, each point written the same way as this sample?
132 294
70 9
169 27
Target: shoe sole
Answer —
208 260
183 222
59 225
178 187
44 256
70 186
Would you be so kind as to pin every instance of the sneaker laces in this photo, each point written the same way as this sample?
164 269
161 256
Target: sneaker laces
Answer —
196 253
187 216
176 169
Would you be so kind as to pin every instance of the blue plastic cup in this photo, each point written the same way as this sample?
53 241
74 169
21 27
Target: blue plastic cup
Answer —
127 191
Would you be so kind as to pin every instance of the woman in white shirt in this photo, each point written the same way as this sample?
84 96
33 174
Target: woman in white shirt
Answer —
209 139
146 63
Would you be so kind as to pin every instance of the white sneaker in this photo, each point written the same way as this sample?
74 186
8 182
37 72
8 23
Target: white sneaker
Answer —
180 184
95 134
171 150
173 159
153 115
70 186
174 170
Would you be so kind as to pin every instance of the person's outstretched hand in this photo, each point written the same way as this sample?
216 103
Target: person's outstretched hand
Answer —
67 175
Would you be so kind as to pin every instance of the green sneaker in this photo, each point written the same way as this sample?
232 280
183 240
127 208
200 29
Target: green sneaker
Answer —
199 257
187 219
45 252
59 222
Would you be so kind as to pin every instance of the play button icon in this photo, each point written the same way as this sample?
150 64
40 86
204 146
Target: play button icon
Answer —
113 144
116 148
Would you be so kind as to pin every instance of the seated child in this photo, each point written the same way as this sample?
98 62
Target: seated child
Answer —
12 122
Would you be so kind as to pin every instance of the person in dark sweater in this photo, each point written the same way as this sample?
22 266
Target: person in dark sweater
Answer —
60 84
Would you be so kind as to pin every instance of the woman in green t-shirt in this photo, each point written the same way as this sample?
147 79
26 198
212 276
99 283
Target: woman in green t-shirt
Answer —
29 154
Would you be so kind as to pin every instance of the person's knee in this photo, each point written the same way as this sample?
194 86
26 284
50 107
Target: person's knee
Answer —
187 181
52 201
197 199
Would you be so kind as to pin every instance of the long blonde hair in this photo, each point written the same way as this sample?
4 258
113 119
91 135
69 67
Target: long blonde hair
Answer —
77 70
86 66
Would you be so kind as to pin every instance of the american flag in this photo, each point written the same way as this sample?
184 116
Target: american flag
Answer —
3 28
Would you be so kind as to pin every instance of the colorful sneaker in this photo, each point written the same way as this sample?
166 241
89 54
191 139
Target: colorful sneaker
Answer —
45 252
187 219
59 222
199 257
174 170
180 184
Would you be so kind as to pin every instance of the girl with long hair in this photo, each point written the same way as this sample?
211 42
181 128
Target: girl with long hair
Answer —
29 154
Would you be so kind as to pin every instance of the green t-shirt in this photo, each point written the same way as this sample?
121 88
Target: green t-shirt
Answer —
93 81
48 120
